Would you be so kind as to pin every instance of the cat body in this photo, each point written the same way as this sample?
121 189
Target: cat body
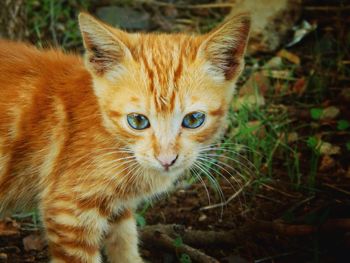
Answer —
87 141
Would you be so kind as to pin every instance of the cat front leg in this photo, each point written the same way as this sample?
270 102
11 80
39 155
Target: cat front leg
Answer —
74 235
121 243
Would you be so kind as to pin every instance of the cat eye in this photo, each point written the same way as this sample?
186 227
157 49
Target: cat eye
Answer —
138 121
193 120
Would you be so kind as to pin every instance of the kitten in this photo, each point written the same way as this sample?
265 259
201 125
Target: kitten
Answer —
86 142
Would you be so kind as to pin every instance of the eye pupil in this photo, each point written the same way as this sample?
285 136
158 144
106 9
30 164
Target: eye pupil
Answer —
138 121
193 120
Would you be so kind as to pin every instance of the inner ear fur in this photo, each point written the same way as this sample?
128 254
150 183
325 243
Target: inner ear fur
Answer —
225 46
104 45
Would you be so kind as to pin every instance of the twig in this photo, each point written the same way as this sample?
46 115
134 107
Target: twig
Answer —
327 8
337 188
204 6
271 258
280 191
208 238
161 239
228 200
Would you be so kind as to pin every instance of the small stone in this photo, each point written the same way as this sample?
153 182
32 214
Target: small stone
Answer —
34 242
3 257
202 218
124 17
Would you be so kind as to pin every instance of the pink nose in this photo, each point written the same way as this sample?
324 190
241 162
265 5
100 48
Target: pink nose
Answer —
167 160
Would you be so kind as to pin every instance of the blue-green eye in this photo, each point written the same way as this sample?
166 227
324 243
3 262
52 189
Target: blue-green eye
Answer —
138 121
193 120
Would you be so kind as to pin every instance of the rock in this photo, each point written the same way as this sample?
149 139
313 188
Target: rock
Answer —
271 21
34 242
124 17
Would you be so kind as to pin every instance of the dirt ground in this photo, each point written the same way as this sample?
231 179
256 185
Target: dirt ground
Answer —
272 220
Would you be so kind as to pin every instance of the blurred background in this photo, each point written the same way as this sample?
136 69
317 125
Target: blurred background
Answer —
277 189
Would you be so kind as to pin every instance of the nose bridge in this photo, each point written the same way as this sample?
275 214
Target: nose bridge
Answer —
166 144
166 140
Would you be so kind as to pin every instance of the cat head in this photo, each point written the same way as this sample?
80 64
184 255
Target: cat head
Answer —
164 96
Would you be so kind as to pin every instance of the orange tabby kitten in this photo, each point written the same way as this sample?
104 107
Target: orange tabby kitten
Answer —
88 141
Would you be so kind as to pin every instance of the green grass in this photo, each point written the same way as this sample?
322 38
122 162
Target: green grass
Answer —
53 22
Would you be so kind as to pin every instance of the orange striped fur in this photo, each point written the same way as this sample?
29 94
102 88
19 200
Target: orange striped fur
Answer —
65 144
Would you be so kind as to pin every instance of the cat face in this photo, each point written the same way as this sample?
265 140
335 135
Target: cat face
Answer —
164 97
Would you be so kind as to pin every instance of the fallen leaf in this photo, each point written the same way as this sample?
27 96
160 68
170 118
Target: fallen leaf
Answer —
34 242
278 74
274 63
329 149
289 56
330 113
292 137
327 162
251 93
345 94
249 101
299 86
257 83
301 31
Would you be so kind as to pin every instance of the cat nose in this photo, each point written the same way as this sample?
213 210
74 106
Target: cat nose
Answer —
167 160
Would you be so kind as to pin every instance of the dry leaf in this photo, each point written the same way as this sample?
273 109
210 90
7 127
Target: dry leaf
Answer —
299 86
251 93
278 74
292 137
289 56
329 149
330 113
257 83
327 162
274 63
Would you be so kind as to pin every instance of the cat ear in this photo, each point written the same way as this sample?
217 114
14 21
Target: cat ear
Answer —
225 46
104 49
